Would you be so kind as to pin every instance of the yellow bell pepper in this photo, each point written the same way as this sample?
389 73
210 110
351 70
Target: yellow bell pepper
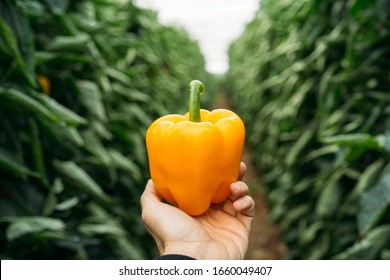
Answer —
193 158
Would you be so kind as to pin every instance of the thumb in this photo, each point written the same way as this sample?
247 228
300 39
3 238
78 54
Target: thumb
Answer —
150 195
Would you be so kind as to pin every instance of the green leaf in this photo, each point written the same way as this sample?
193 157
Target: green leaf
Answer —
28 225
309 234
69 43
331 194
328 200
373 204
8 163
30 7
67 136
369 247
97 229
132 94
321 152
18 38
368 176
65 59
119 76
10 46
91 98
358 139
140 114
299 146
67 204
37 152
320 248
101 129
50 204
95 147
293 104
384 141
63 113
105 224
25 103
124 163
78 178
294 215
58 6
51 198
57 186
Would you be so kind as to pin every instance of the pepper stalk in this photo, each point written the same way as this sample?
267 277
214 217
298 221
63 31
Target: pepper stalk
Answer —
196 90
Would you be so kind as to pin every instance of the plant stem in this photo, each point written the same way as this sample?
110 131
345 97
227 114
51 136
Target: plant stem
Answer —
196 90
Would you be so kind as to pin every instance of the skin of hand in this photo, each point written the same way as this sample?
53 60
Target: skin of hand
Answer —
220 233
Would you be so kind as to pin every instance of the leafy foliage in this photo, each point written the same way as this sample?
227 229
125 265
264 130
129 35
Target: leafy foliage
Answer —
80 81
311 81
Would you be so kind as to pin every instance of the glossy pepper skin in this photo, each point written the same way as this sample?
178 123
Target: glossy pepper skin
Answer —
192 163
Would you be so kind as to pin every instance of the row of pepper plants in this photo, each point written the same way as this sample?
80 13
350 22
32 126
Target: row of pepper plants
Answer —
311 81
80 81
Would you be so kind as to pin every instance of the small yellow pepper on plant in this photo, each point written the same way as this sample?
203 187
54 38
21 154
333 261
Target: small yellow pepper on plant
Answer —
44 83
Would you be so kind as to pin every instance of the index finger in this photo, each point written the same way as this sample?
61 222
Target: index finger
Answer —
242 170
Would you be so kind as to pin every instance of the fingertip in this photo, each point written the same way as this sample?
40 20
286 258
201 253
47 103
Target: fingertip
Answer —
242 170
245 205
238 189
242 166
150 193
149 184
149 187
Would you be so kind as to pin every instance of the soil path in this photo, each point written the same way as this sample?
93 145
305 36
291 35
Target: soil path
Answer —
264 239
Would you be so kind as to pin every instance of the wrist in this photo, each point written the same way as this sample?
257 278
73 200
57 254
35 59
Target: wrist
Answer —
174 257
192 250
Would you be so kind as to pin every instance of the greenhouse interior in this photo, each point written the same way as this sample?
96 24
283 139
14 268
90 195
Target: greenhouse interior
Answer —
82 81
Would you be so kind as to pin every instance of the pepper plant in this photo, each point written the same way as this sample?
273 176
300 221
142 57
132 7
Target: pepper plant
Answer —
311 82
80 81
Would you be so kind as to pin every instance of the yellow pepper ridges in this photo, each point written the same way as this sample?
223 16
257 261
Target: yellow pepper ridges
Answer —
193 163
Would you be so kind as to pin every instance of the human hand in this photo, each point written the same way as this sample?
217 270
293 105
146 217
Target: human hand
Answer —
220 233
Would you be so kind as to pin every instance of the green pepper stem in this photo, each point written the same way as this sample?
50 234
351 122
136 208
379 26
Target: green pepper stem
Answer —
196 90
